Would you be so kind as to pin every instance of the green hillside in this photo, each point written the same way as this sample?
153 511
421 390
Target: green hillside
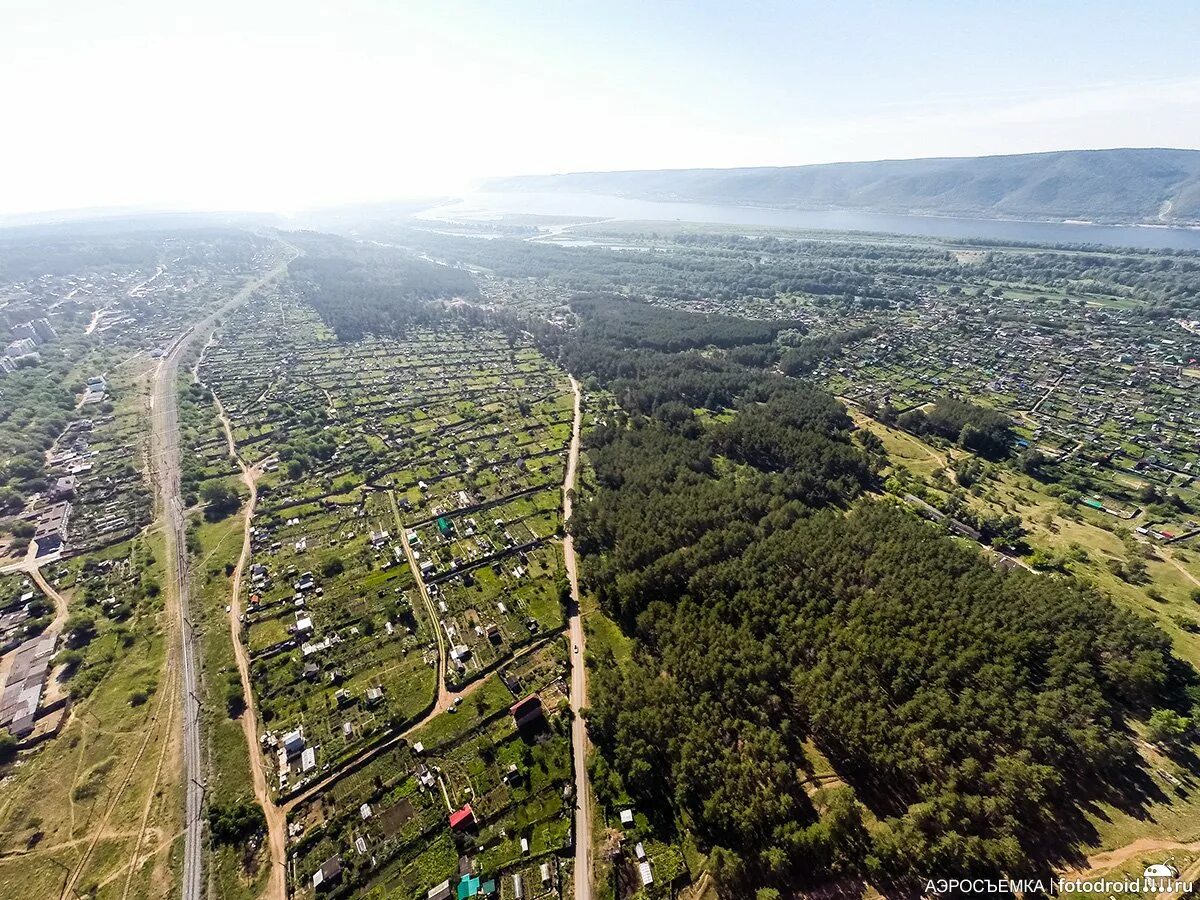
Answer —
1151 185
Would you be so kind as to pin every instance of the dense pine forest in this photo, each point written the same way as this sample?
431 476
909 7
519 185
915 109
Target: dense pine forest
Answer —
778 606
360 289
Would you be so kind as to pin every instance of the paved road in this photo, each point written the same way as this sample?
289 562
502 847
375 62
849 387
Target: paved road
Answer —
165 446
579 737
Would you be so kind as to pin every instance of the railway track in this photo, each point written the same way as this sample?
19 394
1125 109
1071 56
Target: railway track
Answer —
166 465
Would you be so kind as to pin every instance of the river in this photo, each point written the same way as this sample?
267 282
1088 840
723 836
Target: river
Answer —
482 205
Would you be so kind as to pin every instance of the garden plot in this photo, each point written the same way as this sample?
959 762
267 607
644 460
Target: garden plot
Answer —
389 822
454 443
338 649
456 540
491 611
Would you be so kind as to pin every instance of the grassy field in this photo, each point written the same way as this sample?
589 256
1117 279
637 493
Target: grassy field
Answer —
235 871
99 807
1172 574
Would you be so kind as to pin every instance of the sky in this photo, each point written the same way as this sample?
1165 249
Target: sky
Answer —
281 106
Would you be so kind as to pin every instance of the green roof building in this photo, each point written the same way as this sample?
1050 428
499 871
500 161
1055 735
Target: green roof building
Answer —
468 886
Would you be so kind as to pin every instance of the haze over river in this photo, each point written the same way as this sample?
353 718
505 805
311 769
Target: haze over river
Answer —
490 205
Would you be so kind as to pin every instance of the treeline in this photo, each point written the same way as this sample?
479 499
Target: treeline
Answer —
662 472
976 428
713 266
359 289
35 406
650 355
35 254
622 322
812 351
603 345
1165 276
696 268
71 248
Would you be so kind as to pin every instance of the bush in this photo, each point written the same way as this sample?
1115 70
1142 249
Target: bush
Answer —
221 501
80 628
70 660
235 701
1167 727
8 746
235 822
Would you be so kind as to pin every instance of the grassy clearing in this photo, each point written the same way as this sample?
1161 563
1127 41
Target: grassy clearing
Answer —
79 802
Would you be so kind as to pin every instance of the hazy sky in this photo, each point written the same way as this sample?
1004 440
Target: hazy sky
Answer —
282 105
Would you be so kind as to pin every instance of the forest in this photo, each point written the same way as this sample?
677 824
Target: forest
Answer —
784 613
977 428
359 288
62 249
968 711
628 323
809 352
34 409
703 268
774 601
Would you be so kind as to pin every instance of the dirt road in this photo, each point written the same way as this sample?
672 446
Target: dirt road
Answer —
365 756
1180 567
275 817
445 697
276 814
579 737
1101 864
31 566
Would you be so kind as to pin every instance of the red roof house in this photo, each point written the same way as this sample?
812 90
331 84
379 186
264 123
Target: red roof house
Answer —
462 818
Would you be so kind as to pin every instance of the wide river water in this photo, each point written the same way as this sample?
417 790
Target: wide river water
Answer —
490 205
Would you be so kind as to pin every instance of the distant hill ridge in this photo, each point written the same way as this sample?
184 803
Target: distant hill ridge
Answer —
1151 186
